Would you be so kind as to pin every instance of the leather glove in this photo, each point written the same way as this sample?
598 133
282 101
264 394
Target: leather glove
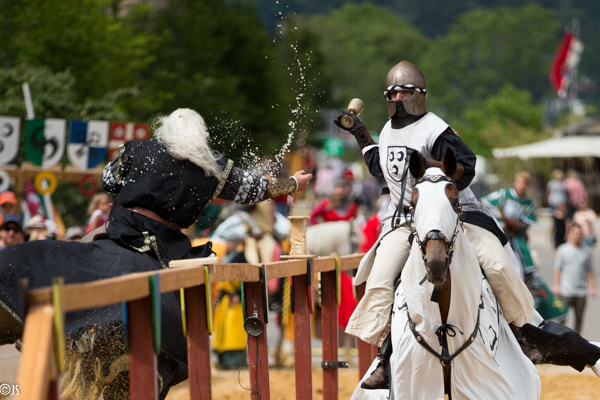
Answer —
354 128
358 129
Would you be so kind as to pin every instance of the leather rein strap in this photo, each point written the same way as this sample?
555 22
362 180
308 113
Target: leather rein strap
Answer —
445 358
396 217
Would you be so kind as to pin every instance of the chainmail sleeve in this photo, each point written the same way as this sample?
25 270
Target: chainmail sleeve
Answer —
114 173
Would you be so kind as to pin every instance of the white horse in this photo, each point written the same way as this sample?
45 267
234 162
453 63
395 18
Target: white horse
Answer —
339 237
448 336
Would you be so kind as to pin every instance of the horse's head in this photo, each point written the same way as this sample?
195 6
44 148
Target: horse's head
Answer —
436 214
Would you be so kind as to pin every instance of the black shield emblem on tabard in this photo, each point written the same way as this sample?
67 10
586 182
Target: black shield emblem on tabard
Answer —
396 161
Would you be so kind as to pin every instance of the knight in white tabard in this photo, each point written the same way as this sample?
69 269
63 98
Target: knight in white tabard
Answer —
410 127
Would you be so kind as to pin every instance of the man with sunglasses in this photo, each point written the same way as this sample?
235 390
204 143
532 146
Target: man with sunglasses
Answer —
11 231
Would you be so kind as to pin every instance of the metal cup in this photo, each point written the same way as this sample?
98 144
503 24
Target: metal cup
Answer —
356 106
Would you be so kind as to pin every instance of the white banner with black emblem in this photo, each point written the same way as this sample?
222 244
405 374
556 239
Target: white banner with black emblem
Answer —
10 129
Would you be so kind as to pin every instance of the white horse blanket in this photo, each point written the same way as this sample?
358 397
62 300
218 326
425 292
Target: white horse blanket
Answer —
492 367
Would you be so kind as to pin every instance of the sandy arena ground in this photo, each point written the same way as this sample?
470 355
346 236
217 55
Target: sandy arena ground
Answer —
558 383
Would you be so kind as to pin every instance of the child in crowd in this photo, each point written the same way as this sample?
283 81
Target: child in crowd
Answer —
98 211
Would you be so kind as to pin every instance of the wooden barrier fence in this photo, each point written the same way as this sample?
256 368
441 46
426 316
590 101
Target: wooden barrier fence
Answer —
39 373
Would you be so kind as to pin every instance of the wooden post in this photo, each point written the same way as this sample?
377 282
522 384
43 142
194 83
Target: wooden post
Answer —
35 369
302 326
198 344
54 386
366 352
298 238
258 351
143 384
302 338
330 334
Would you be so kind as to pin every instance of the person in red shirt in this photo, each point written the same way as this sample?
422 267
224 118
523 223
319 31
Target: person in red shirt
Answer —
339 207
372 227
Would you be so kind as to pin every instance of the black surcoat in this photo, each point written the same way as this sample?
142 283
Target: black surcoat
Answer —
144 175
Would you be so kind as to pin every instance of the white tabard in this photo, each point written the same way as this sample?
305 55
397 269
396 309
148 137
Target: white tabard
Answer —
393 145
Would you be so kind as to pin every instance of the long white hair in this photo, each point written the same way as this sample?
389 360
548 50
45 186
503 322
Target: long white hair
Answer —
185 135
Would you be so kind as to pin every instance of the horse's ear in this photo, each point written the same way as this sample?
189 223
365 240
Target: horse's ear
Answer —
416 166
449 163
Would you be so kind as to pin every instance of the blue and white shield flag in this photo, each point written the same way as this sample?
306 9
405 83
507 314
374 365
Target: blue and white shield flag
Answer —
10 129
87 143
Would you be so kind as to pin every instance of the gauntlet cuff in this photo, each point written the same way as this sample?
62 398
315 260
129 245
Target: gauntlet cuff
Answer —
279 187
362 135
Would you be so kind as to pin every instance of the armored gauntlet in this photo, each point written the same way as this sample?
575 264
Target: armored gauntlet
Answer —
279 187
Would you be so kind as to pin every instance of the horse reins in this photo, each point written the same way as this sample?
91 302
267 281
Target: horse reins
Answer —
443 330
396 216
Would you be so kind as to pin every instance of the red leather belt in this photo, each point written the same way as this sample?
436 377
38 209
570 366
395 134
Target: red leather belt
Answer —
151 214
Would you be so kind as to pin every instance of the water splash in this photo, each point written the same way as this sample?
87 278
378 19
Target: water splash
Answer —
303 85
232 133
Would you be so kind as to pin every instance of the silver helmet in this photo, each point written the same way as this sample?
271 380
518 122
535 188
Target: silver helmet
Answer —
405 76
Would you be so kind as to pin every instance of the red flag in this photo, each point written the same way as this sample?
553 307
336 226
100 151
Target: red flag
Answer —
122 132
565 60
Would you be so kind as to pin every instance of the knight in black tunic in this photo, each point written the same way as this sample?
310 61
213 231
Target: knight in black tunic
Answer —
159 186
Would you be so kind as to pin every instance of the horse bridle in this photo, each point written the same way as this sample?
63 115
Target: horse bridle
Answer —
437 234
443 330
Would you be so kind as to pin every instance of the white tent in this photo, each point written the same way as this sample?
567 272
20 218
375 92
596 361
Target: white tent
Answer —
564 147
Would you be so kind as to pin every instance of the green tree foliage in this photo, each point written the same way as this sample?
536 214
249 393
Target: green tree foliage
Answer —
53 94
506 119
361 43
215 57
487 49
100 50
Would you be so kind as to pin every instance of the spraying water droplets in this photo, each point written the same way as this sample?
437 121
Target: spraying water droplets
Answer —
233 133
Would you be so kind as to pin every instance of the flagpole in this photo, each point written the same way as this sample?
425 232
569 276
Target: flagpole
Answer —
28 102
573 85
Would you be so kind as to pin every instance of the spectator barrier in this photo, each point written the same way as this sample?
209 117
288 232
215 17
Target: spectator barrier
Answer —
43 338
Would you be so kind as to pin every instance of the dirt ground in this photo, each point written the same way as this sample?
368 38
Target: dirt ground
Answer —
558 383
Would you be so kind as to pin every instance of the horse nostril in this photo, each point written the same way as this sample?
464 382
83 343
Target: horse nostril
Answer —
437 281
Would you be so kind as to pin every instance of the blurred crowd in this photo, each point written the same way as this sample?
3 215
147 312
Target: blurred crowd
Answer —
342 193
16 229
572 235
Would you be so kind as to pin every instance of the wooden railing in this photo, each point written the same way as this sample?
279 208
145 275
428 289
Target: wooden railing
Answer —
39 370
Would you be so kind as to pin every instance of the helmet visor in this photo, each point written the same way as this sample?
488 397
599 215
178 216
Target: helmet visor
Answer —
387 93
